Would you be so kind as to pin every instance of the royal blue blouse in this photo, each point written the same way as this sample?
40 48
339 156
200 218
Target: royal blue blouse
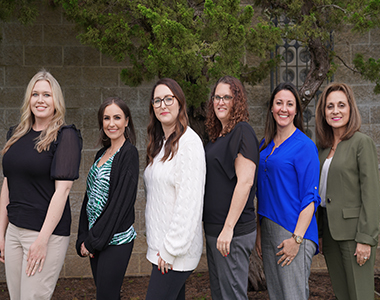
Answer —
288 181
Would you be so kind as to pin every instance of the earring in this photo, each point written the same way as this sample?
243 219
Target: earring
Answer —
126 135
103 134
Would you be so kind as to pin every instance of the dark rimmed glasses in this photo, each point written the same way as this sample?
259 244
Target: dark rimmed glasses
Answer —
226 98
168 100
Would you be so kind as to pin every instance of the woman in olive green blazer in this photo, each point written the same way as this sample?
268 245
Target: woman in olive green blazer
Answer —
350 191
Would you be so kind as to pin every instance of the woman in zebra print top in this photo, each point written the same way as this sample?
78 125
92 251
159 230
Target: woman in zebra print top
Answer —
106 232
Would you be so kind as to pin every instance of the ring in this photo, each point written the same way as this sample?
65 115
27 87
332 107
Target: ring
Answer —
37 262
288 259
365 257
87 253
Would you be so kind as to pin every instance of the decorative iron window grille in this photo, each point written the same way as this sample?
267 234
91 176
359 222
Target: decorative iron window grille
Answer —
294 68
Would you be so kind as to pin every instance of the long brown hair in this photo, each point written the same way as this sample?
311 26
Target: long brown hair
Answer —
129 132
49 134
270 123
324 132
155 131
238 112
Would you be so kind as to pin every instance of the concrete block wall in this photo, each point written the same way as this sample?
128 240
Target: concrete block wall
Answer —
87 77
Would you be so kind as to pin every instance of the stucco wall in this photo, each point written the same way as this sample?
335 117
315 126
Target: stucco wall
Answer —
87 77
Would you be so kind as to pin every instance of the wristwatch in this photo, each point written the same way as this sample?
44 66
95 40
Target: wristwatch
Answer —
297 238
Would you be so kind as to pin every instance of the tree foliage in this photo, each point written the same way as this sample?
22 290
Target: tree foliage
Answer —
198 41
25 11
194 42
314 22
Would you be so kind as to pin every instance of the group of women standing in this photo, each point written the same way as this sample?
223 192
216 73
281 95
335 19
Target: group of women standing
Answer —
185 184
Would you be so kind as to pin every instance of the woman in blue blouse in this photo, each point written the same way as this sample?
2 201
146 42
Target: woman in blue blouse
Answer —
106 232
288 178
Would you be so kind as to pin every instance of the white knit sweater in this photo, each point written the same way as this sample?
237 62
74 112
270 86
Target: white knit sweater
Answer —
174 204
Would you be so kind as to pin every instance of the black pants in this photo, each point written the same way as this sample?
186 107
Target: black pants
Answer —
108 268
168 286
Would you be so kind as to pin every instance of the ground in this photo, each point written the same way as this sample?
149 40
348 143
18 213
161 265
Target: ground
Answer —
197 288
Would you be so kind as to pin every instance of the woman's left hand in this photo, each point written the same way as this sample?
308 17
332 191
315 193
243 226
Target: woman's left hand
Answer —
36 257
163 266
362 253
84 251
288 252
224 241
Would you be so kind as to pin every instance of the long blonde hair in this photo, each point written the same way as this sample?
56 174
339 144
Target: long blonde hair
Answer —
27 119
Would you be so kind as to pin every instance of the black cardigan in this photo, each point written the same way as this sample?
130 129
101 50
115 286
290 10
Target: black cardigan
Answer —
118 214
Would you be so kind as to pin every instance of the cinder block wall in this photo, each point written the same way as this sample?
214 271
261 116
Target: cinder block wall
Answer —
88 77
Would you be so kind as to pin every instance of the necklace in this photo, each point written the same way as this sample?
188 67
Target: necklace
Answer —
280 141
110 153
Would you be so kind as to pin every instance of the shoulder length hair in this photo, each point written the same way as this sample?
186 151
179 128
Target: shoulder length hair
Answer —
49 134
129 132
270 123
324 132
238 113
155 131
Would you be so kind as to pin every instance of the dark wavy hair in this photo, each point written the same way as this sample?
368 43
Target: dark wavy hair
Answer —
129 132
324 132
270 124
155 132
238 112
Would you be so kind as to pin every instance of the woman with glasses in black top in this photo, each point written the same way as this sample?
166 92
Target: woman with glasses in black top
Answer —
232 158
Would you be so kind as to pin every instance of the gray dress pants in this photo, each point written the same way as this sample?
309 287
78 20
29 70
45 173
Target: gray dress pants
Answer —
229 275
289 282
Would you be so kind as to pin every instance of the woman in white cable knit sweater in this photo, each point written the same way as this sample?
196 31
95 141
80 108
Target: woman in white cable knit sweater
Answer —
174 183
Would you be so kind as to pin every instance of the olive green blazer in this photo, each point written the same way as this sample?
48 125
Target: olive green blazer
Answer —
353 190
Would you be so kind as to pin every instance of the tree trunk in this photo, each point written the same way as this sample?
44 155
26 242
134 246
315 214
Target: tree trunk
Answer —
256 277
319 66
197 118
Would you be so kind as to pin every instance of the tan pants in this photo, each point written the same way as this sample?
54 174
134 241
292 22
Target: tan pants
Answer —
41 285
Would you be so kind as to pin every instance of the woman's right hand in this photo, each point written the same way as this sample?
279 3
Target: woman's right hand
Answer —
223 242
84 251
162 265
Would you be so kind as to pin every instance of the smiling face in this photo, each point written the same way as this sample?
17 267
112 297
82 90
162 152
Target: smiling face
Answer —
41 101
167 115
221 108
337 110
284 108
114 123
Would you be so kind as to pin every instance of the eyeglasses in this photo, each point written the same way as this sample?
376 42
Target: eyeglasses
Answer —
226 98
168 100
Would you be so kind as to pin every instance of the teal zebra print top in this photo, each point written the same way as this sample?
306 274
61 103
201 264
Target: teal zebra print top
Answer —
98 182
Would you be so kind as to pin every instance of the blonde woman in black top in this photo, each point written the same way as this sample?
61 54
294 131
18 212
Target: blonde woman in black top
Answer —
40 162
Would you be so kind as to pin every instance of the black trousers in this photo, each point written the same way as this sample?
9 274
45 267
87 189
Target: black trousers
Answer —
168 286
108 268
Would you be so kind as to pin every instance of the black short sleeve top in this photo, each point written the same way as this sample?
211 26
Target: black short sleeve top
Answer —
221 176
31 177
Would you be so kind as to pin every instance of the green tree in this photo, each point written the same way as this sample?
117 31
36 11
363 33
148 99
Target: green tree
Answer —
194 42
197 41
23 10
313 22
